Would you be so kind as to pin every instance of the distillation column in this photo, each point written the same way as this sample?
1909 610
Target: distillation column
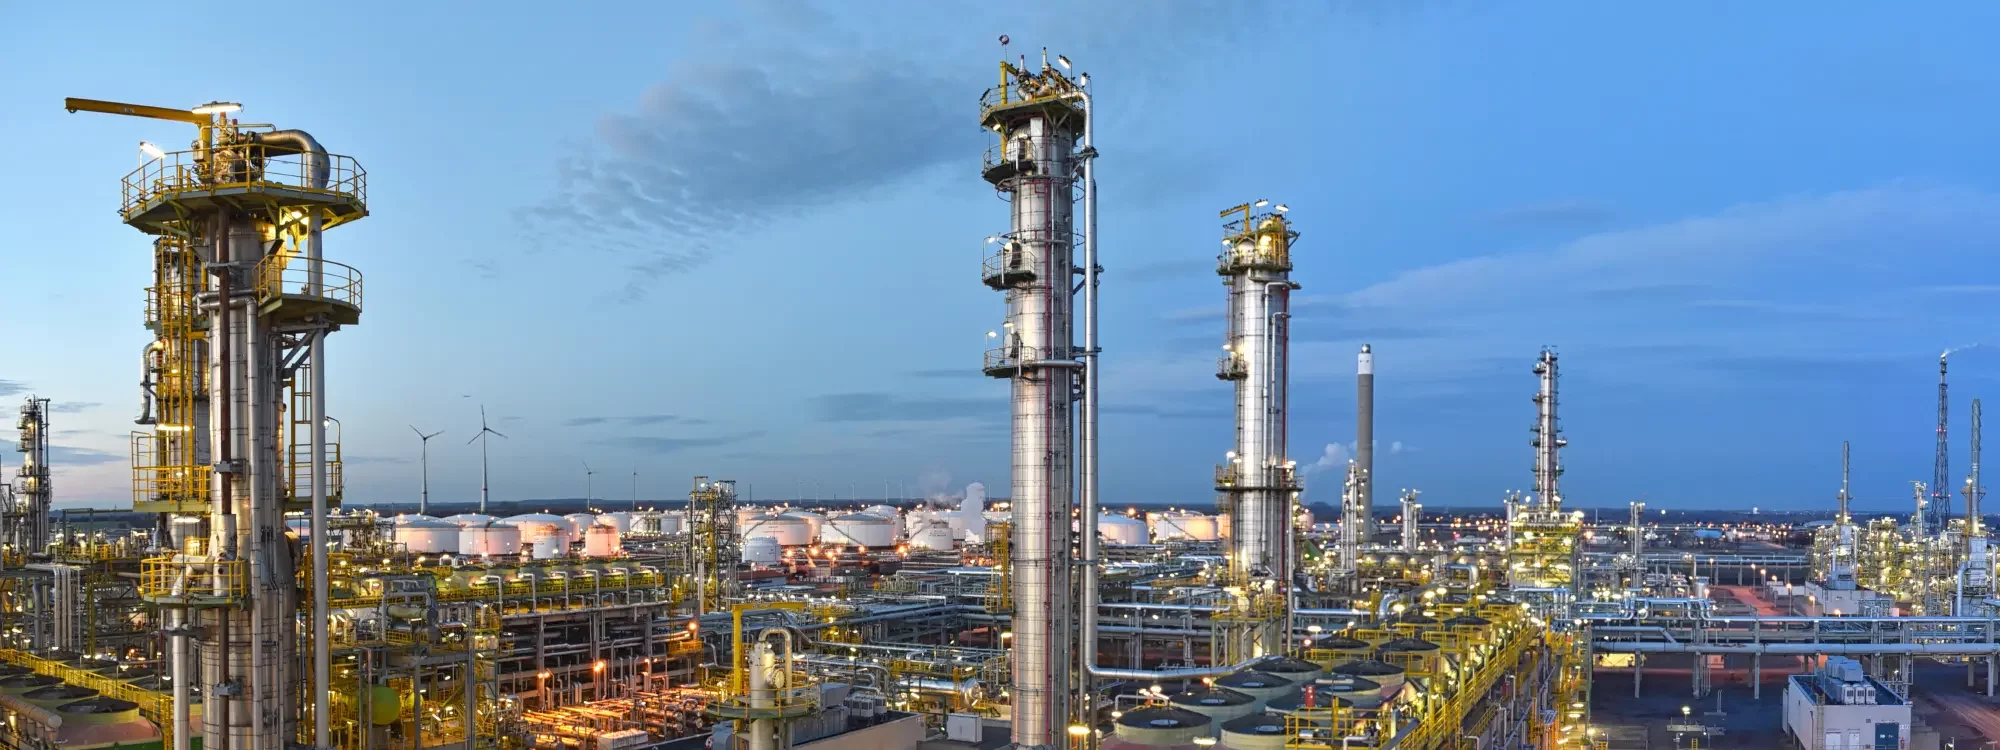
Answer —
1257 482
1976 582
29 530
1364 434
1037 115
1411 510
242 290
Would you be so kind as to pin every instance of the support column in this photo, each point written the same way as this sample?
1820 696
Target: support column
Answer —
1756 677
1989 675
1638 672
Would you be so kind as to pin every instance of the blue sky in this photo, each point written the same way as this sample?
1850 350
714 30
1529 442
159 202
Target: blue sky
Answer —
741 239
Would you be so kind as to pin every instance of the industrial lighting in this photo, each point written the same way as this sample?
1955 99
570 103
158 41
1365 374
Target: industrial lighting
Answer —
1205 741
151 150
217 108
1282 208
1078 730
1063 61
1260 203
1083 80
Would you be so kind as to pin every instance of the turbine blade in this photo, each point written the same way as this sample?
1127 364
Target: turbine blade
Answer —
502 435
475 438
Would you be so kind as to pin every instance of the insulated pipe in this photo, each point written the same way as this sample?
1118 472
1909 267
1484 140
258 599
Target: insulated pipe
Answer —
1087 435
1800 648
223 532
146 357
322 643
255 484
178 654
300 142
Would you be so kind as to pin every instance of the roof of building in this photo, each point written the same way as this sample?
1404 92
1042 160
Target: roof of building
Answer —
1807 684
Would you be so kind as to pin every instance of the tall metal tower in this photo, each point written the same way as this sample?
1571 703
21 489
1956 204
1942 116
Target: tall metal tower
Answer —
1542 545
1256 481
1940 507
1364 433
1548 434
1038 115
1977 580
28 519
243 291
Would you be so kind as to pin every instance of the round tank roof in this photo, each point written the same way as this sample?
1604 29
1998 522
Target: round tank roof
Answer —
102 704
1367 668
424 522
1322 698
1339 642
1162 717
1417 618
1252 679
1280 664
1262 722
1211 697
1468 621
1403 645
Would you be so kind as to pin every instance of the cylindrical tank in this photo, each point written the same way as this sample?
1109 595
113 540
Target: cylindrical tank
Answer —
1117 529
580 521
401 517
534 526
1258 685
745 515
1258 731
105 722
22 683
1219 704
673 523
936 536
1295 671
56 695
1222 529
1163 726
860 529
789 531
489 540
621 521
885 511
1184 525
551 547
814 521
469 519
1389 676
427 536
761 550
601 541
1361 691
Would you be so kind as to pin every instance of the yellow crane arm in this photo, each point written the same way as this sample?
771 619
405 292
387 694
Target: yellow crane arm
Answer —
135 110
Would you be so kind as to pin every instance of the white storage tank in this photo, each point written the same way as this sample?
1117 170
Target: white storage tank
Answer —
424 535
579 522
860 529
1163 726
469 519
1258 731
788 531
1183 525
1259 686
621 521
534 526
551 547
1117 529
885 511
601 541
761 550
1219 704
672 523
745 515
493 539
814 521
936 536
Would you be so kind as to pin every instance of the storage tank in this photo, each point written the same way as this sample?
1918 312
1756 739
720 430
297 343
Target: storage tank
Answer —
672 523
1184 525
1295 671
1389 676
579 522
814 521
427 536
490 540
885 511
788 531
1222 527
22 683
621 521
56 695
534 526
550 547
761 550
401 517
469 519
744 516
601 541
860 529
936 536
1258 731
1163 726
1360 691
1117 529
1259 686
105 722
1218 704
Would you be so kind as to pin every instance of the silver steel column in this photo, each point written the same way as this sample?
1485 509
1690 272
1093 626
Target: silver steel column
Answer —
321 640
1364 434
1257 480
1088 435
1547 442
1410 528
1036 116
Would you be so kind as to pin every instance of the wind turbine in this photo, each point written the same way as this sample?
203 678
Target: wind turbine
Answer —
586 485
481 437
424 500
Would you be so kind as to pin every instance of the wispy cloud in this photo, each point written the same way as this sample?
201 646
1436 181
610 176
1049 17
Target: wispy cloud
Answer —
662 444
1165 270
889 407
12 387
73 407
637 420
1191 409
351 459
948 373
1556 212
69 455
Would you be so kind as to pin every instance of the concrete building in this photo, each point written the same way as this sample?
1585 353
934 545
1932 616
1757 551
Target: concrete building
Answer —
1839 707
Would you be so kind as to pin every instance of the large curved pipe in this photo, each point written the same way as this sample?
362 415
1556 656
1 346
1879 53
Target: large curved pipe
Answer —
299 142
146 357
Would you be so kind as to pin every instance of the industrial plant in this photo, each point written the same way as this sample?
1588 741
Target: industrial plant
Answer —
244 602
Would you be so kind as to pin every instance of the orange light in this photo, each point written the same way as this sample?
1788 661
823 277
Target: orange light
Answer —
598 667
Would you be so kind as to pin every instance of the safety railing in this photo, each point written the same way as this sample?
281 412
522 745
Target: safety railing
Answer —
242 166
1050 87
179 580
299 471
1274 256
1231 367
152 705
1008 264
286 275
1007 360
155 480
